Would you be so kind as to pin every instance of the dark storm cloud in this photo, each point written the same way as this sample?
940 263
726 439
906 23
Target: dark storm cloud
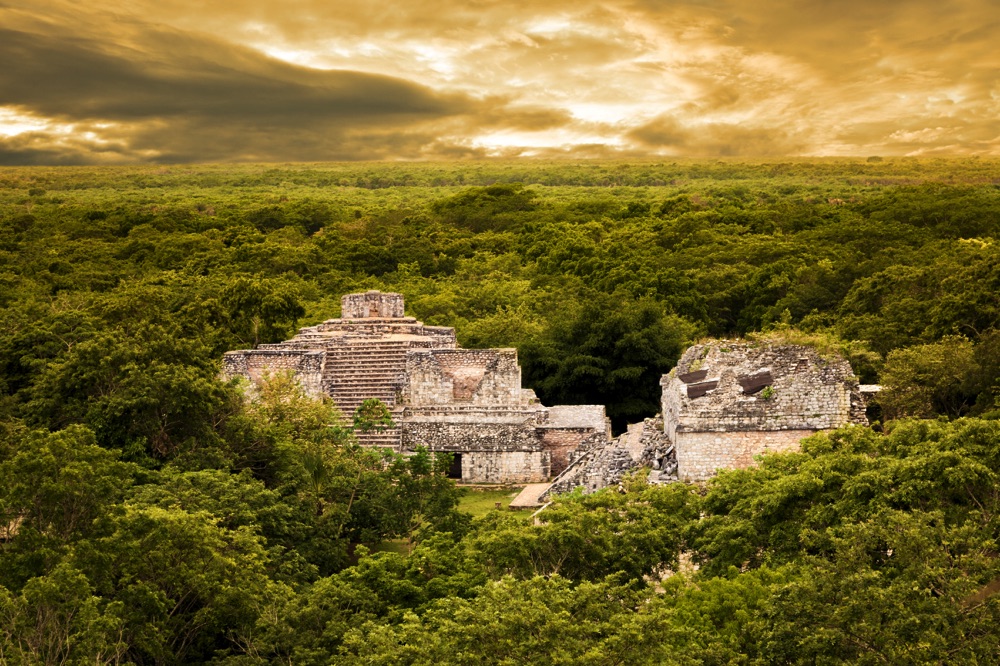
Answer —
220 84
665 134
183 97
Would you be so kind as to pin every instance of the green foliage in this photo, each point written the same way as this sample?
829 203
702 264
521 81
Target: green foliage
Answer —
486 208
372 415
608 353
57 619
151 514
57 488
935 378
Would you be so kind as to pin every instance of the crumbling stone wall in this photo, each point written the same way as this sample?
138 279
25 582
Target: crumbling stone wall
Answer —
474 376
728 401
600 464
257 365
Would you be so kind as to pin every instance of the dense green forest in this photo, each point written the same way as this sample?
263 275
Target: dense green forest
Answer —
150 515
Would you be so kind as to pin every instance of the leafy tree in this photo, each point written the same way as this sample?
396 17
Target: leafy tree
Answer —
183 583
57 619
58 488
485 208
613 351
936 378
373 415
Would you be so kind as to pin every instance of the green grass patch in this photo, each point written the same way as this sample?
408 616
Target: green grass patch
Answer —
480 502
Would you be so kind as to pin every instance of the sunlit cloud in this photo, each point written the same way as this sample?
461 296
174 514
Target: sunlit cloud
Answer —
13 123
174 80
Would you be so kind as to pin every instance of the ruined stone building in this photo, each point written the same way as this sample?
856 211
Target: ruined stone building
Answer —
727 402
468 402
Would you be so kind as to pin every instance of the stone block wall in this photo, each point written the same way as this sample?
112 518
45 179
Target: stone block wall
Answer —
505 467
473 432
257 365
455 376
371 304
701 454
496 446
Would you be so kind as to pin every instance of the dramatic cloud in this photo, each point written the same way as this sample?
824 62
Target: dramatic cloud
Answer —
175 81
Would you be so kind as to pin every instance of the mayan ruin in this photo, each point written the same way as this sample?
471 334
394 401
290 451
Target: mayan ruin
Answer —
467 402
725 402
729 401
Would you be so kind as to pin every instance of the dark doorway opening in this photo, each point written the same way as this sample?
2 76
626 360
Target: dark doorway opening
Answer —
455 469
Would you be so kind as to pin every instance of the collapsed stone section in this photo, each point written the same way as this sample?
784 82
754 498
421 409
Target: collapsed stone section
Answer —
468 402
727 402
604 464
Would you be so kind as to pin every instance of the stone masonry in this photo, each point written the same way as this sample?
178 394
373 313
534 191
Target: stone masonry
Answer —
468 402
729 401
725 403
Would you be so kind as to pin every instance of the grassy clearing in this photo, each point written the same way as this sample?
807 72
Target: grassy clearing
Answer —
480 502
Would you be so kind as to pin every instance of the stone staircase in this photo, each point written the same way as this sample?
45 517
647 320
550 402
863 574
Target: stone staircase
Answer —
367 368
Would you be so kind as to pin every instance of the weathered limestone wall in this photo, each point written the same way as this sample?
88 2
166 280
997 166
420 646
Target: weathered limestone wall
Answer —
454 376
505 467
579 416
371 304
701 454
727 401
257 365
809 392
497 446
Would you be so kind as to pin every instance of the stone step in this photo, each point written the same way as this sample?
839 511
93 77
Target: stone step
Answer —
350 383
386 438
341 352
356 399
349 404
530 497
364 361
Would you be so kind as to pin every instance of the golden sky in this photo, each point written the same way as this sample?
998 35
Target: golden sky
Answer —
106 81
